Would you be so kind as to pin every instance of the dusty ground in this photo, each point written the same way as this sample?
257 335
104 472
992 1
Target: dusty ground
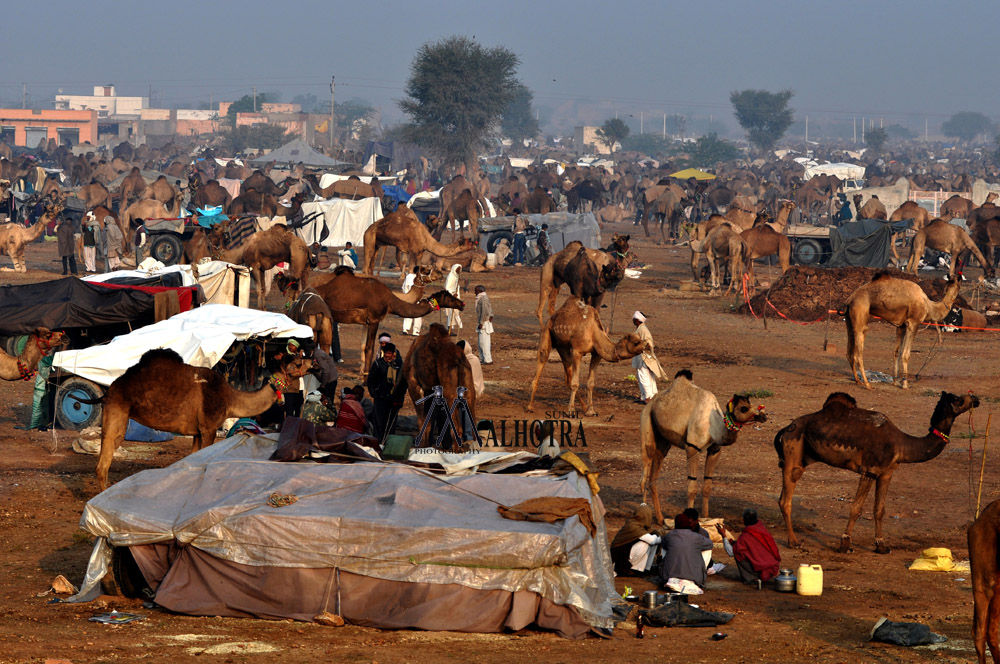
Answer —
45 485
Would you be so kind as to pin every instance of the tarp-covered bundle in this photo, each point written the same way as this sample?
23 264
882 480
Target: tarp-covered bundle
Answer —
298 152
345 220
70 303
395 545
564 227
864 243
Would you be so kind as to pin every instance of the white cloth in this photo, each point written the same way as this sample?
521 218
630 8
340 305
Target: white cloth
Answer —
684 586
345 259
485 344
647 383
89 259
643 552
346 221
639 317
411 325
452 285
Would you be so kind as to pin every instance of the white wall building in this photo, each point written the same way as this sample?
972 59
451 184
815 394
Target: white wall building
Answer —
104 101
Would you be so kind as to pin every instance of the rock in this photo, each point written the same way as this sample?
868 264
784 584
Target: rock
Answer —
328 619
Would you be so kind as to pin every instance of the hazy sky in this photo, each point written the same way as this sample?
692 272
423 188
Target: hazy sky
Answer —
903 61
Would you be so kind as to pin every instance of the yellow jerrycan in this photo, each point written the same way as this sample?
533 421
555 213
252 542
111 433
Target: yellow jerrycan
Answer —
809 580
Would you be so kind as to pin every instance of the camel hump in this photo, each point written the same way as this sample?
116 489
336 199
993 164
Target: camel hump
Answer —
342 269
684 373
159 354
842 398
882 274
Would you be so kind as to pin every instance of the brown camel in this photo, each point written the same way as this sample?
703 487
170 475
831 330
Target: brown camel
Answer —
94 194
689 418
539 202
574 331
401 229
51 190
14 238
864 441
40 343
956 207
873 209
149 208
898 302
768 239
433 360
160 190
553 276
722 244
310 309
984 556
471 260
464 207
365 301
949 238
133 186
252 202
910 210
161 392
211 194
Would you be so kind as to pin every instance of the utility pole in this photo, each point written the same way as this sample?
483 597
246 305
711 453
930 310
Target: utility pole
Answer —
664 126
807 132
255 99
855 129
925 131
640 122
24 95
333 88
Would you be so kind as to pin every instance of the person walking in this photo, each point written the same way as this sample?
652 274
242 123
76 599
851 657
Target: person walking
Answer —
484 318
411 325
383 379
89 244
542 242
647 367
451 284
66 245
115 241
520 237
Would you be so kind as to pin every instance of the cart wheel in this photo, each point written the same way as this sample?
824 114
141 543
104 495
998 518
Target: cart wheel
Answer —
127 575
808 252
167 249
495 238
75 415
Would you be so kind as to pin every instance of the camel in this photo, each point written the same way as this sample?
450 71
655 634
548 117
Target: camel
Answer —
265 249
539 202
472 260
956 207
588 282
722 243
910 210
402 230
23 367
210 194
464 207
161 392
574 331
365 301
149 208
768 239
553 277
253 203
133 186
864 441
898 302
51 190
949 238
160 190
14 238
433 360
689 418
310 309
873 209
94 194
984 556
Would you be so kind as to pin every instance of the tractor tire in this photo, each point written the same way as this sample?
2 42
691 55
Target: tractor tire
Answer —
167 249
72 414
808 252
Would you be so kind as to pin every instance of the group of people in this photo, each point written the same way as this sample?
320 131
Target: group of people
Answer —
101 238
683 554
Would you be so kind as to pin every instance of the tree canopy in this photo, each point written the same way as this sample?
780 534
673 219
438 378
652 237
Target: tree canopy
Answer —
456 95
245 104
648 144
966 125
614 130
764 115
265 136
710 150
519 120
875 138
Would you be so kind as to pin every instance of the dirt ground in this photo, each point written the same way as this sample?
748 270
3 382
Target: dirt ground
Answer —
45 486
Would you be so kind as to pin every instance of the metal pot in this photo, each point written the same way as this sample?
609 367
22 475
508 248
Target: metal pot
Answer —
785 581
649 599
671 598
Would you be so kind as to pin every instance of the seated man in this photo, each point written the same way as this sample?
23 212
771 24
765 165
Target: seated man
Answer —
757 556
351 415
683 568
634 548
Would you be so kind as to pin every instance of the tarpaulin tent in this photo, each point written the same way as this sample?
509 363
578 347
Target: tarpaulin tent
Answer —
842 170
391 545
345 221
692 173
70 303
864 243
298 152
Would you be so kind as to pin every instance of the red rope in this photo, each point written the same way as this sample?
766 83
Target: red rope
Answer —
746 296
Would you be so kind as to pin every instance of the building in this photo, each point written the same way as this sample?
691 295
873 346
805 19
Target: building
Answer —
28 127
585 140
182 122
105 101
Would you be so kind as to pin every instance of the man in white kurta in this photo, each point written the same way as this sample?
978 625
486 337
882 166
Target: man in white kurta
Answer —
411 325
452 286
647 367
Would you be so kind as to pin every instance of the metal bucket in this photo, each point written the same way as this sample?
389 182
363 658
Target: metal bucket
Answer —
649 599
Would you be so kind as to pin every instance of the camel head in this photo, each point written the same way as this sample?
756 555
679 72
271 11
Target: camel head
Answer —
48 340
619 243
444 300
631 345
428 273
612 274
857 199
950 406
740 411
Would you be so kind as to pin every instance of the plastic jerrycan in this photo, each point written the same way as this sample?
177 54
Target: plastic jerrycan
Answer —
809 580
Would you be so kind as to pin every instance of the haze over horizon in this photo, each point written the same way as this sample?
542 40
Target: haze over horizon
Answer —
585 61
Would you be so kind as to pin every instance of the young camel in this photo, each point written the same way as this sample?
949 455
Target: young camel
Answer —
689 418
161 392
723 243
898 302
23 367
949 238
864 441
575 330
14 238
984 556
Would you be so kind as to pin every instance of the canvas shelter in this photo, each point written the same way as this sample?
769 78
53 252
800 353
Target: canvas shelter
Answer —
864 243
343 220
692 173
386 545
298 152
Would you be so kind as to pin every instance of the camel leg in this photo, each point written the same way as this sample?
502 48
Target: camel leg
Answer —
113 435
692 461
711 459
652 458
789 477
368 353
900 337
864 486
856 350
911 331
983 550
881 488
595 360
544 347
916 251
650 472
573 377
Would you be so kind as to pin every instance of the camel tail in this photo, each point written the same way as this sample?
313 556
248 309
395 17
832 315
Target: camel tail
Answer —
86 401
779 445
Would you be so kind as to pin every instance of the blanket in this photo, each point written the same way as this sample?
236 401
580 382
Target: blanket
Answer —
550 509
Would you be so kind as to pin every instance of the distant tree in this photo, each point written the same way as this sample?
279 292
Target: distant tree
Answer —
351 111
897 132
966 125
457 94
264 136
710 150
875 138
310 103
764 115
519 121
246 104
614 130
678 123
648 144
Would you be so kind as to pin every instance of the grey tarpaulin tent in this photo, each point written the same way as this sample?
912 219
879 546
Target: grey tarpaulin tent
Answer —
864 243
298 152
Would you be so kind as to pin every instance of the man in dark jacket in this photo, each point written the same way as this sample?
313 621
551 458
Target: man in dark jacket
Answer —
384 379
683 567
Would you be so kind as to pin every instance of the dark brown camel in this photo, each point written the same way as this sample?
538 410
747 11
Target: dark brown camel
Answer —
161 392
310 309
539 202
553 272
984 556
865 442
252 202
364 301
433 360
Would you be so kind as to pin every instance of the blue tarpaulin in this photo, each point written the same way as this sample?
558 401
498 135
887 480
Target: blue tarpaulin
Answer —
395 192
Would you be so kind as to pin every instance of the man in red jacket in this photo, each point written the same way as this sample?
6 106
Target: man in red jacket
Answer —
352 414
756 553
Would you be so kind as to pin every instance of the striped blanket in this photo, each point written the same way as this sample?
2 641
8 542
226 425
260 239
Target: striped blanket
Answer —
239 231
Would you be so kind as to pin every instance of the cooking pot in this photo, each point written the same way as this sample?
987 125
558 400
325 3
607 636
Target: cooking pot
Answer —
785 581
671 598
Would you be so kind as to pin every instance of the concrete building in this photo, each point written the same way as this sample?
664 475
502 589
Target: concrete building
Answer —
28 127
182 122
585 140
105 101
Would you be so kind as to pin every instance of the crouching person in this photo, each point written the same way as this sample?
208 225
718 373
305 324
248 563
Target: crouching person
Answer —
755 551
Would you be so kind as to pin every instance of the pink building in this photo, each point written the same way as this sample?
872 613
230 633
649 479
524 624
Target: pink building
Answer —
28 127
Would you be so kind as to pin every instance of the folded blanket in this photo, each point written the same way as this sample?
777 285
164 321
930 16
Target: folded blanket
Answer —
682 614
550 509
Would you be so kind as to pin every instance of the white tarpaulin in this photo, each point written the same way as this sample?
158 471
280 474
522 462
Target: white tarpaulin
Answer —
187 279
844 171
327 179
200 336
224 283
346 220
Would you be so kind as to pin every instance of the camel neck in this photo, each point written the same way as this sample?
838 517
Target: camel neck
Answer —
918 450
